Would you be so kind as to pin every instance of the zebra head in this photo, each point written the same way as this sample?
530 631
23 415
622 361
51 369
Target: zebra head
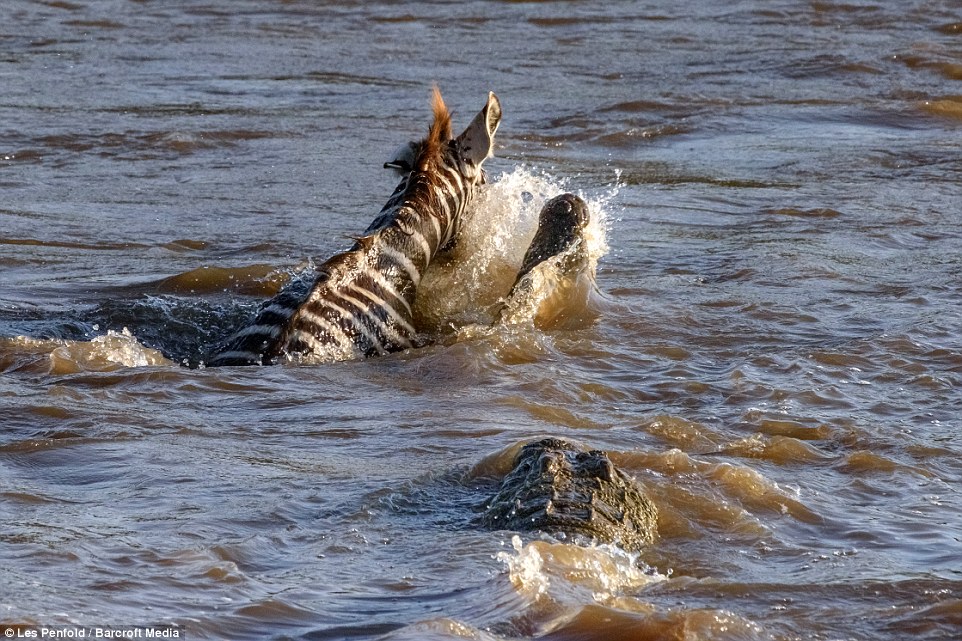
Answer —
441 173
474 144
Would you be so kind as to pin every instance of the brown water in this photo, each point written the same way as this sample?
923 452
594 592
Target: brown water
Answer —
777 356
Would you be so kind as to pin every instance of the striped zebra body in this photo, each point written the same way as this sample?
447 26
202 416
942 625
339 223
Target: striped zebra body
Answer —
359 304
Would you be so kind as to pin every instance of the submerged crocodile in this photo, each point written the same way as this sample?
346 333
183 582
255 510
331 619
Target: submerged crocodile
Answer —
564 490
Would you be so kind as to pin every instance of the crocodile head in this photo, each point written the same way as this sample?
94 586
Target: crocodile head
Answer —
564 490
556 279
561 223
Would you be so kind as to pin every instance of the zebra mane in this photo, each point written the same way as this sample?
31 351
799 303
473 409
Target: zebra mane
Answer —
438 134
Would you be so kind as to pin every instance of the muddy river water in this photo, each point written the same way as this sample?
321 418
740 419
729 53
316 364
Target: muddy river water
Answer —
775 352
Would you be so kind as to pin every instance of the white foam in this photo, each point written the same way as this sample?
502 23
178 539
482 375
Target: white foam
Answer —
467 286
104 353
605 571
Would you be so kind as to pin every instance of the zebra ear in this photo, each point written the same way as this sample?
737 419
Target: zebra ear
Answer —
403 158
477 141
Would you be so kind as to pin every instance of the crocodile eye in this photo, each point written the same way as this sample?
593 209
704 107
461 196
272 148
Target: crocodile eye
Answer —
605 469
596 464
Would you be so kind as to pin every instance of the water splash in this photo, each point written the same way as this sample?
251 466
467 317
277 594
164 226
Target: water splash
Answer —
111 351
525 568
541 568
468 285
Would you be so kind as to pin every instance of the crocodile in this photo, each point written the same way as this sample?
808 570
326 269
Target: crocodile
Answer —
572 493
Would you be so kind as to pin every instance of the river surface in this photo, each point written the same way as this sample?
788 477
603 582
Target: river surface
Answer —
776 356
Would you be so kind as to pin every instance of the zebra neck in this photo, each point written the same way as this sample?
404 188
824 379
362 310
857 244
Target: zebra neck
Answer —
400 254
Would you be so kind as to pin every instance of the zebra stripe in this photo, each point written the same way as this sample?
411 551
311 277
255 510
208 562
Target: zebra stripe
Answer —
385 285
442 199
402 261
450 191
269 331
236 357
390 312
422 244
456 179
304 344
324 326
355 320
278 310
436 224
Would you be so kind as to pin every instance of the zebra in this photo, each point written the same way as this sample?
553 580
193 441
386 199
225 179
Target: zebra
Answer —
359 304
